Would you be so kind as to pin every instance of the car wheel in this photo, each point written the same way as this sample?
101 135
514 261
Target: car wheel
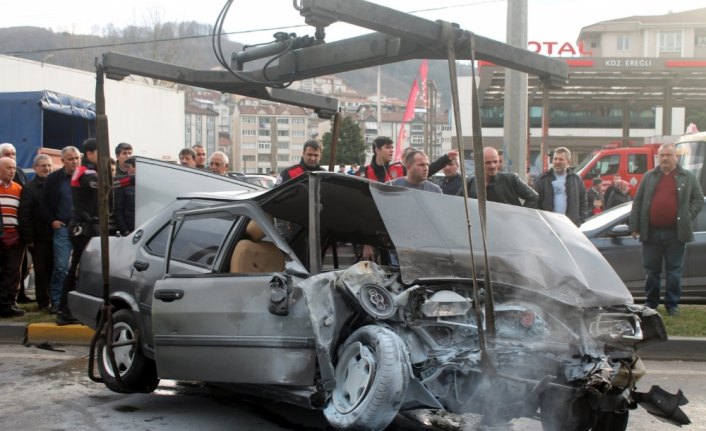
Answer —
559 414
612 421
372 374
137 373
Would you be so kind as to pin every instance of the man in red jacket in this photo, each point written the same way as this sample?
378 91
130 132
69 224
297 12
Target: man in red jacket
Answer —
309 162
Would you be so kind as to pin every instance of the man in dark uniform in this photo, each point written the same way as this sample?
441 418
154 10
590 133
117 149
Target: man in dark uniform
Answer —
308 163
380 168
84 218
123 151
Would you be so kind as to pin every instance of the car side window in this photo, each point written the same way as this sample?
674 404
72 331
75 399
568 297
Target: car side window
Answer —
637 163
157 245
609 165
198 239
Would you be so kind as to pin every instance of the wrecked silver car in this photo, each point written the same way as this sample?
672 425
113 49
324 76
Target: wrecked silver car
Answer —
260 291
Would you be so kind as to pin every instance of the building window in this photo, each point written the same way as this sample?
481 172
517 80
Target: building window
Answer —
670 41
623 43
247 146
282 157
263 145
298 120
263 132
700 39
283 133
264 158
416 139
298 133
248 132
294 158
248 119
282 120
282 145
418 127
248 158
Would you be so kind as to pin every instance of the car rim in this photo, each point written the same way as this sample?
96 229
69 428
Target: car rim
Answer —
124 351
354 375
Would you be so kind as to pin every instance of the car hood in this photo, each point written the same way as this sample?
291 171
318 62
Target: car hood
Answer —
528 249
159 183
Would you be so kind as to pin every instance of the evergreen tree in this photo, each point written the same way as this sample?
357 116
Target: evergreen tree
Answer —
351 144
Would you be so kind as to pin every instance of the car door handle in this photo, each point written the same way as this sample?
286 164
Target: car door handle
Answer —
168 295
140 265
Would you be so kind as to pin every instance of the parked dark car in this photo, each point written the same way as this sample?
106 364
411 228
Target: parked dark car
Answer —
609 232
248 290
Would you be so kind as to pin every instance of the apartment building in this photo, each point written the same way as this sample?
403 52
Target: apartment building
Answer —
674 35
267 136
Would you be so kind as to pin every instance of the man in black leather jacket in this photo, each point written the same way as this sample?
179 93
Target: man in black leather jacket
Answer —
503 187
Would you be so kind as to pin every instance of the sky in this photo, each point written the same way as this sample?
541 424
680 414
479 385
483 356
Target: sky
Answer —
548 20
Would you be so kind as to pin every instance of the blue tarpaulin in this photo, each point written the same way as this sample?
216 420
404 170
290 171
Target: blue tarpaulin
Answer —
35 119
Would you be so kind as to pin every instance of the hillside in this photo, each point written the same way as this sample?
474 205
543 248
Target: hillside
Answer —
187 44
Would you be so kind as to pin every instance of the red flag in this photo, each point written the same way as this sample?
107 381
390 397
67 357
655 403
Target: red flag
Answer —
408 115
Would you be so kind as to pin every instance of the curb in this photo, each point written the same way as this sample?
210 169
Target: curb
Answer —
38 333
676 348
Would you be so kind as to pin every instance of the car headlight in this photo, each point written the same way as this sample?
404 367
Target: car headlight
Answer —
612 327
446 303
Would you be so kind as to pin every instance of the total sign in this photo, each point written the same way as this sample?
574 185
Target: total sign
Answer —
559 48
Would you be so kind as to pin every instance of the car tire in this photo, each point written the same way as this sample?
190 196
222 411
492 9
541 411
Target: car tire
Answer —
612 421
372 375
577 415
558 413
137 373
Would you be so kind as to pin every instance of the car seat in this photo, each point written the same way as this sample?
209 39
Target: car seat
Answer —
253 255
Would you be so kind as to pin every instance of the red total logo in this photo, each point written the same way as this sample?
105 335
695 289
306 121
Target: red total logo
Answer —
559 48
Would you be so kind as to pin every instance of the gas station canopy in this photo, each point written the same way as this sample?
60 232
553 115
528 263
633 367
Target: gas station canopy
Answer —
637 82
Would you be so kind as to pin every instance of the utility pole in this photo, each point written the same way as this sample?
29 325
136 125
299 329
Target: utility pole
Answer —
430 123
515 104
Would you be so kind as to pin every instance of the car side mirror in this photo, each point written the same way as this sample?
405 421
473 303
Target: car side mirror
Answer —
620 230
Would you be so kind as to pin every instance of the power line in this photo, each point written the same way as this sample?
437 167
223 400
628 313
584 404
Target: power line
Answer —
176 39
145 42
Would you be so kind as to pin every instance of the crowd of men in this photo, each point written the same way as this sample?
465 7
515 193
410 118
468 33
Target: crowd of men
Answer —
54 216
51 218
666 202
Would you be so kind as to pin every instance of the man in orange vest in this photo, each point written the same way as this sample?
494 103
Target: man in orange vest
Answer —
308 163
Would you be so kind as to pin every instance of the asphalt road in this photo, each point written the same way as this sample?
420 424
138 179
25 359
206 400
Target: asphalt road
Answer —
49 390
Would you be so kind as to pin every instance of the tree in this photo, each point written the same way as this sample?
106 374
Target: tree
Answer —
351 145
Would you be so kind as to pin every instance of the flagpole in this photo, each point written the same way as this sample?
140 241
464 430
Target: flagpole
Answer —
379 106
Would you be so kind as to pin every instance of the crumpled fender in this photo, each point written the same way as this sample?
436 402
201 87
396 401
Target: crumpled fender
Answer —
663 405
327 312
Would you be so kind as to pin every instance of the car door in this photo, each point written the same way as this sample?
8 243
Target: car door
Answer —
694 274
623 252
217 326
